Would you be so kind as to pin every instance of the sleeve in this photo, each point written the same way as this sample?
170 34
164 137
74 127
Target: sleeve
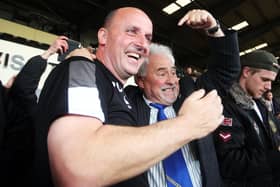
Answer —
224 66
71 88
276 106
2 111
85 91
21 106
274 161
187 86
23 90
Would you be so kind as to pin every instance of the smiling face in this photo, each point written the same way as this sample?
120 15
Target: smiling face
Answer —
125 42
160 84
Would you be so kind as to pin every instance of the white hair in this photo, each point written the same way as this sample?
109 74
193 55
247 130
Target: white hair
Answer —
158 49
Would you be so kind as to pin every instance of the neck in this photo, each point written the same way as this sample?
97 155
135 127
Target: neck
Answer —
242 85
100 56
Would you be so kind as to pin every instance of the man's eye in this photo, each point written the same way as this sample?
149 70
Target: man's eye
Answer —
149 39
131 31
265 80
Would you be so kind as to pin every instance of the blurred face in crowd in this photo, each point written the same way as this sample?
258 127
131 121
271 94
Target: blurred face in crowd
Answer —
189 71
268 96
257 81
125 41
160 84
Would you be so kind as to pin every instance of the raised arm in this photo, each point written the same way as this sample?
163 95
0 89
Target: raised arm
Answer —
202 19
224 64
26 82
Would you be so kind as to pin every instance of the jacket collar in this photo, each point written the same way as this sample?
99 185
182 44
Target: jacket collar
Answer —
241 97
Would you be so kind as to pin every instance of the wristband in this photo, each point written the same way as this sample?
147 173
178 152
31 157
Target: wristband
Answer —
213 30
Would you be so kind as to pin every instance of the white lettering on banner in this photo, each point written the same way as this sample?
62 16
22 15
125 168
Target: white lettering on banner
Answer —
13 56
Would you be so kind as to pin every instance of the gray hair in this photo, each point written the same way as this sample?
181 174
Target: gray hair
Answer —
158 49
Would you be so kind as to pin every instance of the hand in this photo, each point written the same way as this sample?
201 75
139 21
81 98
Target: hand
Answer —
202 114
59 45
10 82
82 52
200 19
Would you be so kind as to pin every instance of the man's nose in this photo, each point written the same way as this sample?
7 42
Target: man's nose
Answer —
142 44
171 78
268 85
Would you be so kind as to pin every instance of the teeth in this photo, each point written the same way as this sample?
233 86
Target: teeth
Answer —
134 55
164 89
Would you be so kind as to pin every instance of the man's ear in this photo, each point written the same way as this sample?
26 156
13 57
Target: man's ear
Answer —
246 71
102 35
139 81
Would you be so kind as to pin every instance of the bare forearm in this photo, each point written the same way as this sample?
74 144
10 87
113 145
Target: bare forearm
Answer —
110 153
131 151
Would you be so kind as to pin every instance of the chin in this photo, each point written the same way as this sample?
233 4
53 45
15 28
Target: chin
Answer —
133 71
170 101
257 96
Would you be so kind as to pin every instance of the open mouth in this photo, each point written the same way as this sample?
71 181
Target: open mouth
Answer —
171 88
134 55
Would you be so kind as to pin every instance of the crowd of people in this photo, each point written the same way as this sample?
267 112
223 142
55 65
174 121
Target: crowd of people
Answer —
86 129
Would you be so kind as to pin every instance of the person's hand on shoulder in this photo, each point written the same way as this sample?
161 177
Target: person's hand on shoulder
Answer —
84 52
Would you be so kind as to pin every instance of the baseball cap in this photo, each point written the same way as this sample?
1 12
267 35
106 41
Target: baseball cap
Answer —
260 59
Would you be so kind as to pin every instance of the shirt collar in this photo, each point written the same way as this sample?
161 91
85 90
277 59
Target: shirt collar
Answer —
147 101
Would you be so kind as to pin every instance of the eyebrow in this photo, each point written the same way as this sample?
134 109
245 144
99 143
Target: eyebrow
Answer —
164 68
266 79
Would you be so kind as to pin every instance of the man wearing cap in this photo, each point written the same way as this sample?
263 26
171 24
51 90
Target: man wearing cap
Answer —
247 142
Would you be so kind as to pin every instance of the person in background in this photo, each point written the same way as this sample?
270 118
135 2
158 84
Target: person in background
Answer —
247 142
272 104
87 133
3 99
18 107
158 94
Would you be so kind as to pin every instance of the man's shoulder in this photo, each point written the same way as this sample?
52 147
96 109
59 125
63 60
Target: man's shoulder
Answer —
133 91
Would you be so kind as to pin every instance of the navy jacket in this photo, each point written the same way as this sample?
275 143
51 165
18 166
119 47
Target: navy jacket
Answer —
245 145
16 123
